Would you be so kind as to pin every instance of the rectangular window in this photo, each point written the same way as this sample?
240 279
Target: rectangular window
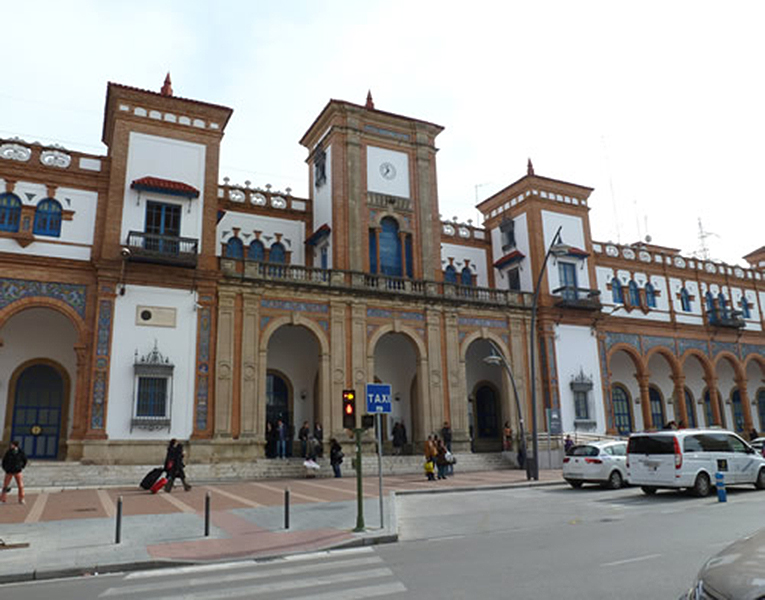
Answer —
567 274
507 229
514 279
152 397
580 405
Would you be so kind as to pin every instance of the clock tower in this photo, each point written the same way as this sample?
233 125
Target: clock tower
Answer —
373 191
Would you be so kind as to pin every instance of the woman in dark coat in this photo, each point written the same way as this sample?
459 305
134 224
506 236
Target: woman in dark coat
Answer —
14 462
335 456
174 465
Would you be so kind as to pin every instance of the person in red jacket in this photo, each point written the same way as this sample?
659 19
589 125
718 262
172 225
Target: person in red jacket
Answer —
14 462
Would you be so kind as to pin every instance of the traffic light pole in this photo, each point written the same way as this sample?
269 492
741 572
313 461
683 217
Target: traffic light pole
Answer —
359 488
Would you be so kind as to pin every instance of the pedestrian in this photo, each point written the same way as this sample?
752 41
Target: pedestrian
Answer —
446 435
753 435
174 466
318 433
521 456
281 439
403 437
430 469
335 456
270 440
567 445
441 462
303 437
430 449
398 438
14 461
507 437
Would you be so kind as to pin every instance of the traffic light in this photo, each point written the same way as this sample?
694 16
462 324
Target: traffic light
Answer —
349 409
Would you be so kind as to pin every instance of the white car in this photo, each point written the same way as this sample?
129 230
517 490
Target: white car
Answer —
596 462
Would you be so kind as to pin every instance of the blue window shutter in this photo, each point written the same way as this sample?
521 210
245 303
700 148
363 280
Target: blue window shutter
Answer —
617 295
48 218
256 251
372 251
277 253
390 248
450 274
234 248
466 277
650 295
10 212
409 258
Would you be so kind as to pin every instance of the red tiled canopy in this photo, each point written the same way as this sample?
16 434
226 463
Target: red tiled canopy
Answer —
509 259
165 186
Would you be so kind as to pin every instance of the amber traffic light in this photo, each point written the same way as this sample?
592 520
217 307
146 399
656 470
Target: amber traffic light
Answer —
349 409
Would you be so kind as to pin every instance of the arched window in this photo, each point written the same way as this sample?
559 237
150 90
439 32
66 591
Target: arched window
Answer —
466 277
761 408
256 251
621 403
708 414
10 212
690 408
390 248
657 407
738 411
48 218
234 248
711 311
650 295
722 303
277 253
450 274
617 295
745 312
634 293
685 300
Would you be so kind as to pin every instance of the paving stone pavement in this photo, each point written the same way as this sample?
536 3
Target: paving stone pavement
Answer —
66 532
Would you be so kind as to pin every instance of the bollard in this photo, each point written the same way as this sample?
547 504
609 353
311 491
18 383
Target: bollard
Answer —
287 508
207 514
722 494
118 533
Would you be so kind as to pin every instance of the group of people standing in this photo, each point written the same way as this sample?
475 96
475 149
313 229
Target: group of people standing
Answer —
438 454
279 438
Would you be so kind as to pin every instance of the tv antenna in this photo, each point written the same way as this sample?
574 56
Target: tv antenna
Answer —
703 251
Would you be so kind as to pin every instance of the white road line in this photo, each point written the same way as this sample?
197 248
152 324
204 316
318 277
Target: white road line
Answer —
106 502
293 493
251 591
356 593
37 509
446 537
327 553
230 496
179 504
630 560
256 573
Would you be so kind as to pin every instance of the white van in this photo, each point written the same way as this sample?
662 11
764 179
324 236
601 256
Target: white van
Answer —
689 458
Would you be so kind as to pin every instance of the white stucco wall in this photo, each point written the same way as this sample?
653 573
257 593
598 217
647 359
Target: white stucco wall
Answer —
399 185
322 208
476 256
572 233
293 233
522 245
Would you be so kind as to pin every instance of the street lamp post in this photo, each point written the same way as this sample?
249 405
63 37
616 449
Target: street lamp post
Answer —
557 247
496 358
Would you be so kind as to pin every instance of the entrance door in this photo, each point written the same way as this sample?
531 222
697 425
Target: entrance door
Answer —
278 404
163 221
487 419
37 409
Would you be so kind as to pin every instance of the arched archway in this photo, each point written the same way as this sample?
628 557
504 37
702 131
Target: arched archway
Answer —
728 375
697 372
487 416
628 374
754 368
622 409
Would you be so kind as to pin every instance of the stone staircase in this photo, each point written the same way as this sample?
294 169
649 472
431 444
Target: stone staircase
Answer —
47 474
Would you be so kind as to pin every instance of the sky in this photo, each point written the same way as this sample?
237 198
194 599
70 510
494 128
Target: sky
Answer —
657 105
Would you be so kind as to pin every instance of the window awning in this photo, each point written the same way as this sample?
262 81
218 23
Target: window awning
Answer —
509 259
577 252
165 186
318 235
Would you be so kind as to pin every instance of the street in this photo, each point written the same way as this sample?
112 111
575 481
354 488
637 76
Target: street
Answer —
542 542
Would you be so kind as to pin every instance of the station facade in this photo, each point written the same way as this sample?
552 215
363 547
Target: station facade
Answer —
143 298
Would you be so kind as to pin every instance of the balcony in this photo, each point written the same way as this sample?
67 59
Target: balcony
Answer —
162 249
577 298
726 318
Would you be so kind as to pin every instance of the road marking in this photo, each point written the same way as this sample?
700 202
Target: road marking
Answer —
356 593
170 571
447 537
292 493
630 560
336 489
327 554
37 508
106 502
179 504
231 496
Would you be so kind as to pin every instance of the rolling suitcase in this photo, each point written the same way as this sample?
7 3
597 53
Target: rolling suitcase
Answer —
158 485
151 478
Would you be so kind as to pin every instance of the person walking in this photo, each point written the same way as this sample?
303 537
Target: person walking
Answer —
335 456
398 438
174 466
270 440
303 437
507 437
281 439
14 461
567 445
446 435
441 463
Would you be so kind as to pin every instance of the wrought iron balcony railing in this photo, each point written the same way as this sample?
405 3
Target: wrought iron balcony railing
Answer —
576 297
162 249
726 318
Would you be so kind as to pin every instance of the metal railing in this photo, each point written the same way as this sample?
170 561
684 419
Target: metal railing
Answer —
726 318
162 249
576 297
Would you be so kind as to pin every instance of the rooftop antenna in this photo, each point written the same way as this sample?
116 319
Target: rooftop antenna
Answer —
611 187
703 251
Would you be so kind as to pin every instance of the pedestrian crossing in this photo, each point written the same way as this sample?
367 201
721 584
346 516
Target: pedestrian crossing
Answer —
349 574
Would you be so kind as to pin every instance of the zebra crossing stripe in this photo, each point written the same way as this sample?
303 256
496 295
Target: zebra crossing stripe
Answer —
369 591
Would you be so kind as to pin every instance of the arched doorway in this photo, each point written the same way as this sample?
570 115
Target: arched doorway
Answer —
278 405
37 410
622 414
487 419
657 407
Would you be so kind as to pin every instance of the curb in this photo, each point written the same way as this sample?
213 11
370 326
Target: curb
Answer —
480 488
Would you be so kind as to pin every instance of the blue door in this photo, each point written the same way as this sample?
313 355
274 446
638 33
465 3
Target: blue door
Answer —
37 411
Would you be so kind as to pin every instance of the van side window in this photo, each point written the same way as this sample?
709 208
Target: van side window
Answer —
714 442
736 445
692 444
652 444
609 450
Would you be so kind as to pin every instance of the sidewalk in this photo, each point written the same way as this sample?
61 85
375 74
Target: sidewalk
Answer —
72 532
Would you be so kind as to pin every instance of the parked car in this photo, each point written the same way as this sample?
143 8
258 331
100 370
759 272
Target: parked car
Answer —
738 571
596 462
689 458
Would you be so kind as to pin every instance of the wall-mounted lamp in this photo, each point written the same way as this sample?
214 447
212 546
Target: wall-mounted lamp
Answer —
397 397
303 395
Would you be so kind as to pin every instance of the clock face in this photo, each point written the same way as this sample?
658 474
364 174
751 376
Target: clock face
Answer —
388 171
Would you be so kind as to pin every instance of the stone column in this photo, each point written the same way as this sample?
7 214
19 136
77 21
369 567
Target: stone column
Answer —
253 408
80 410
742 383
437 398
681 410
332 404
645 400
225 362
457 386
714 398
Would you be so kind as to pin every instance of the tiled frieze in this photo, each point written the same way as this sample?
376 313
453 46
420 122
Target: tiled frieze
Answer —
12 290
100 376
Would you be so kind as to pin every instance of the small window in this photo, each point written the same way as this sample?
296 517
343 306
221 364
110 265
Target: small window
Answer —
514 279
466 277
10 212
736 444
685 300
585 451
722 303
745 312
48 218
256 251
567 276
324 256
152 397
277 253
234 248
619 449
692 444
581 407
650 295
617 295
507 229
711 312
608 450
634 293
450 274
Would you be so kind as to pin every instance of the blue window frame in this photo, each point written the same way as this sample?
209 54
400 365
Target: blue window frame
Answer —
738 411
650 295
390 248
234 248
256 251
708 413
48 218
152 397
761 408
722 303
409 257
690 408
685 300
372 251
162 219
567 276
277 253
10 212
657 407
450 274
324 256
634 293
621 404
466 277
711 312
745 312
617 294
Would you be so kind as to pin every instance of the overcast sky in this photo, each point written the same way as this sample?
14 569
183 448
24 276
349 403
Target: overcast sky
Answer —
657 105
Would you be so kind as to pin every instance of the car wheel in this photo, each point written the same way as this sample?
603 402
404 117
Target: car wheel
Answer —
702 486
615 480
760 481
649 490
574 483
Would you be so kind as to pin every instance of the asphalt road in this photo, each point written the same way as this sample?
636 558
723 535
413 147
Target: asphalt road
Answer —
551 542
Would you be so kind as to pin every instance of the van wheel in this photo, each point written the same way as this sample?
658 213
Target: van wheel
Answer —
649 490
574 483
701 486
615 480
760 481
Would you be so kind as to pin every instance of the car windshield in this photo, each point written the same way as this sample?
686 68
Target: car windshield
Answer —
652 444
585 451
